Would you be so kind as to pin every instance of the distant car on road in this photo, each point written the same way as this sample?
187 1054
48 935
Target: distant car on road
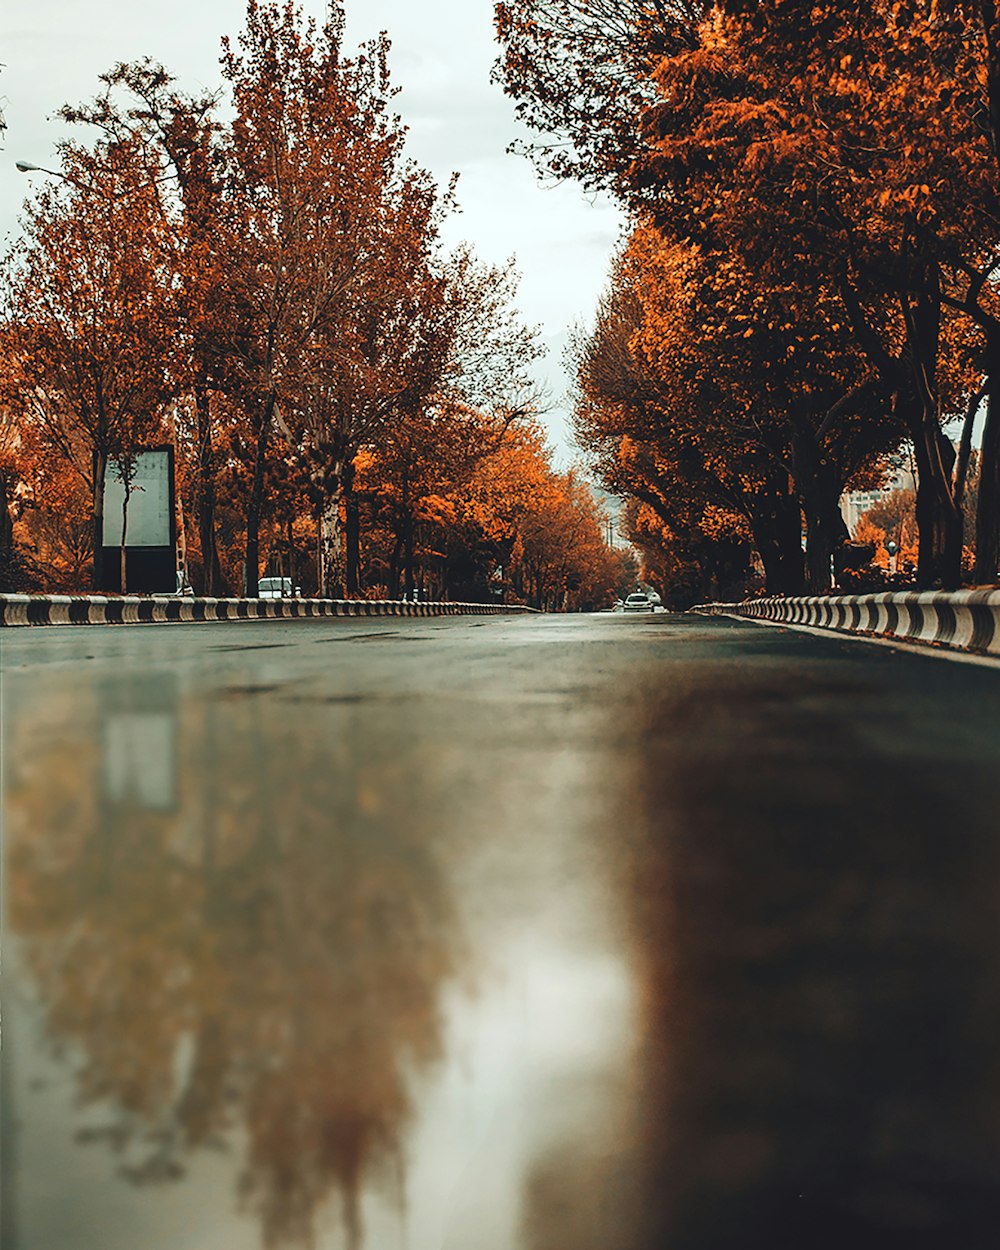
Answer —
638 603
276 588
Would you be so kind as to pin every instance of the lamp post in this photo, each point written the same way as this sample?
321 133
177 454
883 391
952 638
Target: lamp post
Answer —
28 167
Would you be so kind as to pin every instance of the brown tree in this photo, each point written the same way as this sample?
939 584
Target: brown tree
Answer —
181 131
92 316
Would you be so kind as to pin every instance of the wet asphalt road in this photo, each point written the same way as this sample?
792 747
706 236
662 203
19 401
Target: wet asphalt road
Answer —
553 933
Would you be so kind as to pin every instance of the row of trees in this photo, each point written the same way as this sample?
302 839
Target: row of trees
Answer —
810 276
257 277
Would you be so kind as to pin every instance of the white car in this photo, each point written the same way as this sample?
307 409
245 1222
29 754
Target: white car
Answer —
638 603
276 588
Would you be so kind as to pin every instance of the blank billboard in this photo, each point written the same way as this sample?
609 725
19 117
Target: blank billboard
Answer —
149 504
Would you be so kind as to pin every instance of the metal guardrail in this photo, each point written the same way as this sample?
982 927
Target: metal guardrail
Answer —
962 620
153 609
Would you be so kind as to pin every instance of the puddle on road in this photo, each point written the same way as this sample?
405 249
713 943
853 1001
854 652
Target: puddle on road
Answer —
322 975
524 969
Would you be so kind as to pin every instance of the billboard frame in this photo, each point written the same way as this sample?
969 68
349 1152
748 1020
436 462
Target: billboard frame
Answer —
148 570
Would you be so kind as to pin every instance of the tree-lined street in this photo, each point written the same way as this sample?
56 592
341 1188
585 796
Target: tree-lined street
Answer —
645 931
547 926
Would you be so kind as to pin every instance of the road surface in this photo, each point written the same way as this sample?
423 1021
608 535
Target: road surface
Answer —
547 933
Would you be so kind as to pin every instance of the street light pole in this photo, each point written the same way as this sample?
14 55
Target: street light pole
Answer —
27 167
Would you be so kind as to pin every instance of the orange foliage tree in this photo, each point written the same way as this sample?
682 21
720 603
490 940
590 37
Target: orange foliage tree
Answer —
180 131
315 179
665 428
841 157
824 180
469 382
91 319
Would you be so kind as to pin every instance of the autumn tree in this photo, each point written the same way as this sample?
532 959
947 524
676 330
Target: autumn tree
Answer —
895 518
475 383
840 154
581 73
413 481
753 381
564 563
981 20
346 322
314 316
374 368
753 130
659 424
537 535
19 571
180 132
471 501
91 313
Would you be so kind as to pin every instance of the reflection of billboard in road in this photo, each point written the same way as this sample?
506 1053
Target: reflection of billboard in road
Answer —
148 503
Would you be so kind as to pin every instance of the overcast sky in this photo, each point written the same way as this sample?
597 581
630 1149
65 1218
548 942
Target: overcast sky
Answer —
442 52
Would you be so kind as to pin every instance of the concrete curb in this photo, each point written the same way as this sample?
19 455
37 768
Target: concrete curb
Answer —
961 620
158 609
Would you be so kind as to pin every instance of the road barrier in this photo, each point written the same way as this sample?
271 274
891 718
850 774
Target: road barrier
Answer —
962 620
150 609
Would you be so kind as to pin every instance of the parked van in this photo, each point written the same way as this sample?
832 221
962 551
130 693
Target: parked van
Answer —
277 588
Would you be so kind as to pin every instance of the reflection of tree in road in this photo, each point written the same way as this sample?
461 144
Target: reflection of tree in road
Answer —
266 955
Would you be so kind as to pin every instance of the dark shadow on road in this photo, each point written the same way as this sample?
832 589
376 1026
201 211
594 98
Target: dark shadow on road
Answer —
816 877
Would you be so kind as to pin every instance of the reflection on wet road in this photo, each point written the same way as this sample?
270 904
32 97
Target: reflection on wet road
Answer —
552 934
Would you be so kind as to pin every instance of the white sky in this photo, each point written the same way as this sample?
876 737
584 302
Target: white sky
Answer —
53 50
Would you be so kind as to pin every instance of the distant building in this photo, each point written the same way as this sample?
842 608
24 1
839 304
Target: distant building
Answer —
612 505
856 503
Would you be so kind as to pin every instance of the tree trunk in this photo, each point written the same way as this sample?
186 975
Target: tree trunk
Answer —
255 503
818 486
408 535
939 522
6 524
825 534
319 552
9 579
988 508
213 581
776 522
97 521
331 547
352 537
123 577
965 447
394 559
